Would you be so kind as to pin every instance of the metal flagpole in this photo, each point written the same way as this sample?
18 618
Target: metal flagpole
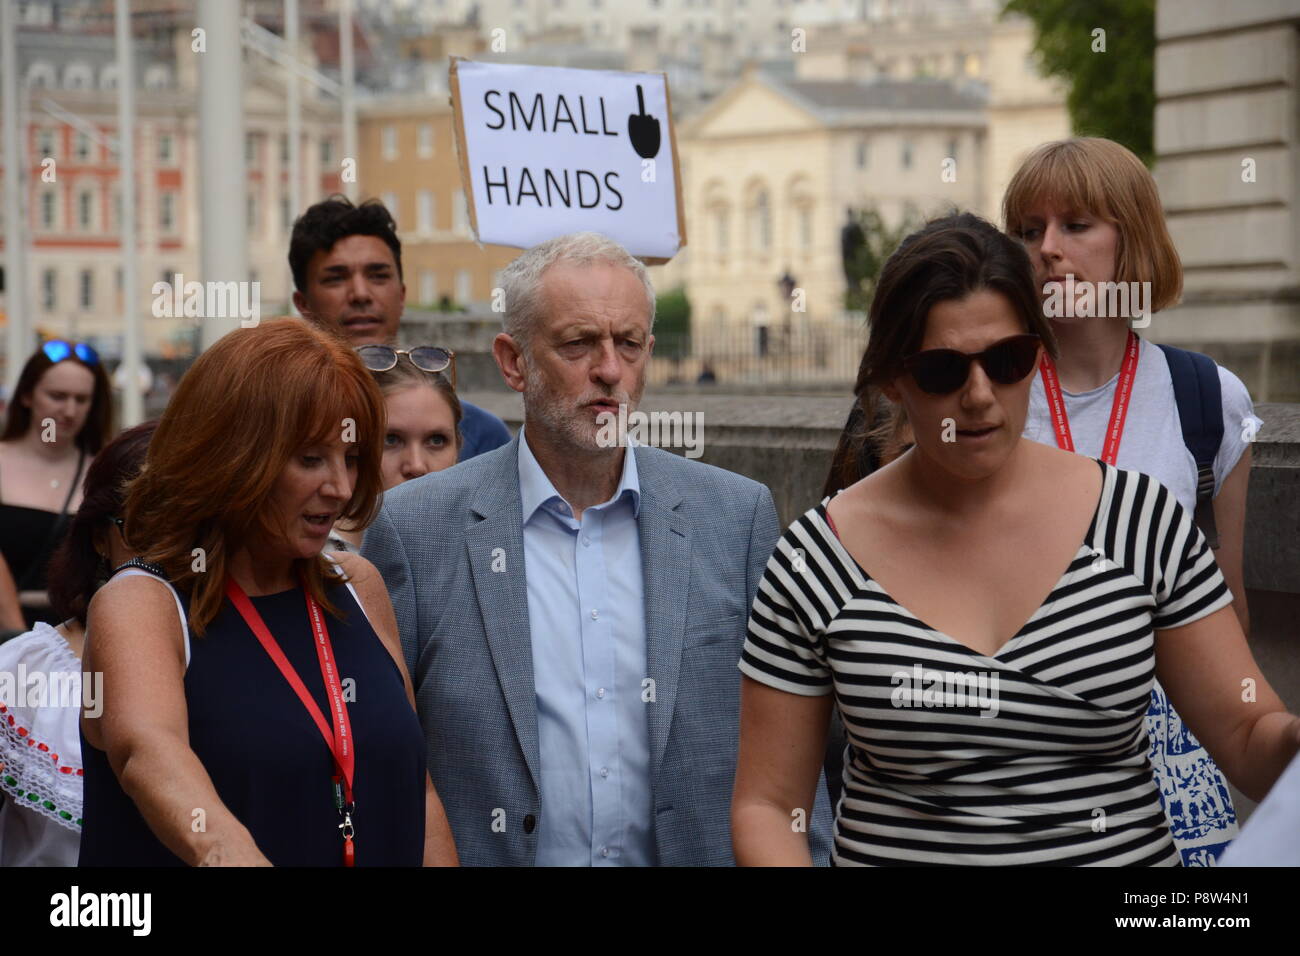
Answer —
132 399
18 317
295 117
223 185
347 69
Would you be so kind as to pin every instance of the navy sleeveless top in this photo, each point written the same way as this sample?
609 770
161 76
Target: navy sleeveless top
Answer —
265 754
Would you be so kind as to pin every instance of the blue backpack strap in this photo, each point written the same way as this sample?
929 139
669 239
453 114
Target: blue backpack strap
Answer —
1200 409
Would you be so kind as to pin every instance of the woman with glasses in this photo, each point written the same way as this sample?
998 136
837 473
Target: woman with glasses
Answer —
987 613
1089 214
59 418
40 749
422 433
257 706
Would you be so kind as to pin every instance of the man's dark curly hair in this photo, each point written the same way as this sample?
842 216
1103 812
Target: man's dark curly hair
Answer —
335 218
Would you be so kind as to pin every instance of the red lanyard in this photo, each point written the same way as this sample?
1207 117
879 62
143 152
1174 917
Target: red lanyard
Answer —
1118 410
339 737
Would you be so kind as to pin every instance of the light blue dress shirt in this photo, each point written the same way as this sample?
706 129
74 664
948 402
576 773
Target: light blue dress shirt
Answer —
586 609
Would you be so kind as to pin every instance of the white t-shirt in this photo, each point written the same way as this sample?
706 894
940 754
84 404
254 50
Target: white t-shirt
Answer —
1152 442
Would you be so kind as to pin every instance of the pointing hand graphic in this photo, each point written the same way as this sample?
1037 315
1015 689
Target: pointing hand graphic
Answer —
642 129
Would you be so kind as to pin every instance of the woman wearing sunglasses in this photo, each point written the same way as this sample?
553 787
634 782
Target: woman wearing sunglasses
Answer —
422 433
987 613
1088 212
59 418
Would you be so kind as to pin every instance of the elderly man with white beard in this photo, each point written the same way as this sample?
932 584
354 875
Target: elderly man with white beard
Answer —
573 610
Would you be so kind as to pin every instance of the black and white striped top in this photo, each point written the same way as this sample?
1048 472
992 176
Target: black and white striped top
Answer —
1035 755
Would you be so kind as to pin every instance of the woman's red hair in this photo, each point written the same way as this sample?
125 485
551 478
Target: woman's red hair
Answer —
252 401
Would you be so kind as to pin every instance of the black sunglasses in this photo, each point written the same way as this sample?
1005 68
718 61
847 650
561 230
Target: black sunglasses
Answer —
941 371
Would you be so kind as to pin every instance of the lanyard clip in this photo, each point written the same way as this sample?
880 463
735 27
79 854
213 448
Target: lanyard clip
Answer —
346 826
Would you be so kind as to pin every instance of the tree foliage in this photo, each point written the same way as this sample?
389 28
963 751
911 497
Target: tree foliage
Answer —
672 314
1112 89
867 241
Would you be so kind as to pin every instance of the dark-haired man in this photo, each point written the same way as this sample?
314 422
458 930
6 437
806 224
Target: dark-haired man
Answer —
347 271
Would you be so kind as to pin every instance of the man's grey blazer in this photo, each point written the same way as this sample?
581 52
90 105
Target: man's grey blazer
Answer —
450 548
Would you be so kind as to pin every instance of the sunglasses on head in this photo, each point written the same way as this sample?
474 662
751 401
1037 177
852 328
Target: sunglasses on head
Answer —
941 371
427 358
56 350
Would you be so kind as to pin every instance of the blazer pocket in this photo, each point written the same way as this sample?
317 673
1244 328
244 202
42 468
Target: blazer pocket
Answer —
726 628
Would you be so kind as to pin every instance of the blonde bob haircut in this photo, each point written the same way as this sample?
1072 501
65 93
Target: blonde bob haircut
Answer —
1099 177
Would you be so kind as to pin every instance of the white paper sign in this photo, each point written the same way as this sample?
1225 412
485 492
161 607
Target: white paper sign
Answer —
551 150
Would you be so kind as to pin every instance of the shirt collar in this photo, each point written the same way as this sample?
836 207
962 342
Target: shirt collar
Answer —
536 490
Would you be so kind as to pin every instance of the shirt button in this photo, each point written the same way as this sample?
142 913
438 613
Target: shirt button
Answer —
586 542
594 614
600 693
604 851
604 771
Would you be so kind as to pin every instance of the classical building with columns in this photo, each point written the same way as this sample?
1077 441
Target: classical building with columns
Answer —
1228 165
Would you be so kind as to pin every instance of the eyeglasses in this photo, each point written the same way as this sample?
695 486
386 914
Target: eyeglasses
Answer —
56 350
427 358
941 371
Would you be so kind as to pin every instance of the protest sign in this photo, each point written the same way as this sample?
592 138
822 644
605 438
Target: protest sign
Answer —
546 151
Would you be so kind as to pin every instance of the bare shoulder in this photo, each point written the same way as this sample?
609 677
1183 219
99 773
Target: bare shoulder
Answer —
138 609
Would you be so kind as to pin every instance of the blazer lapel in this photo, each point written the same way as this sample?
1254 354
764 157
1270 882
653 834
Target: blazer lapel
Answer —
494 543
665 563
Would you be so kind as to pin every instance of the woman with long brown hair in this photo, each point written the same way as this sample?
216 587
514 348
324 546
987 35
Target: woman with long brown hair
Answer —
257 707
60 416
986 613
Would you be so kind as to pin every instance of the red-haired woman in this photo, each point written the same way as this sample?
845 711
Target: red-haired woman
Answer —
60 416
257 708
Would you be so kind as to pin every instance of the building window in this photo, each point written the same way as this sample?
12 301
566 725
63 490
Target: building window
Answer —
86 209
86 289
389 142
426 140
284 147
952 148
907 154
464 286
49 209
253 212
45 143
760 223
49 290
250 148
286 214
117 210
166 148
860 155
460 210
805 227
327 152
424 211
390 203
721 229
428 288
167 212
82 148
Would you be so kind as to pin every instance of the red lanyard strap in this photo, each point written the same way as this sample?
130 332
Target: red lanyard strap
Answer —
1118 410
337 734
